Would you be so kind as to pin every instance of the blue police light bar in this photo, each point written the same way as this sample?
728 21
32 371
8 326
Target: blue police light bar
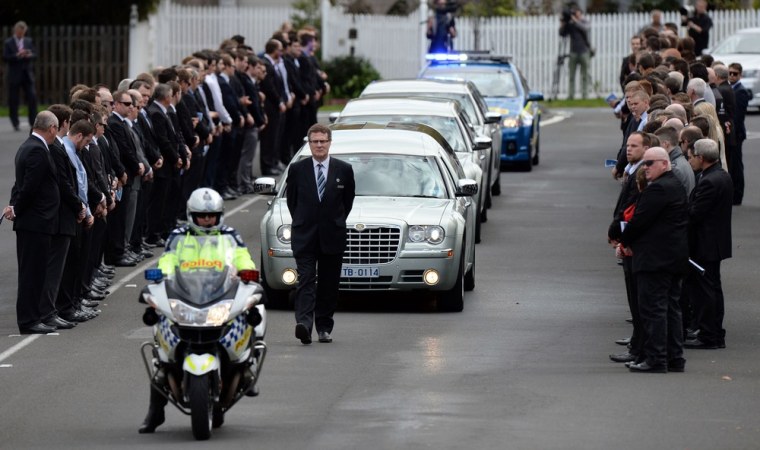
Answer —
154 274
446 57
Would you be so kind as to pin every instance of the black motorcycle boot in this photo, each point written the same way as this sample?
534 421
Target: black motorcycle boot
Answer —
155 415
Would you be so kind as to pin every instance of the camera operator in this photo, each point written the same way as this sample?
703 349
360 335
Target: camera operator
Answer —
574 25
698 25
441 29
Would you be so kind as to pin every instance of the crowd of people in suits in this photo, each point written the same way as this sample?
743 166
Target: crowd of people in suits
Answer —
680 165
103 180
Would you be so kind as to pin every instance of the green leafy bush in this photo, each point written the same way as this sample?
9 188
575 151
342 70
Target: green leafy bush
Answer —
349 75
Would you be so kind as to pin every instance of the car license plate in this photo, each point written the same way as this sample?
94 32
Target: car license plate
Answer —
360 272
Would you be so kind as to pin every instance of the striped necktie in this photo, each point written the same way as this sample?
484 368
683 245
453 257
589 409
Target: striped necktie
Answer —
321 181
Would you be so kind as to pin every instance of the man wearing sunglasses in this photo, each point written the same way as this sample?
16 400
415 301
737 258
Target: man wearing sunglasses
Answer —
657 235
742 96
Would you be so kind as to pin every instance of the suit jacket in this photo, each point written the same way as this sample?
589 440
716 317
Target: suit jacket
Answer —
35 197
629 193
252 91
742 97
145 129
111 161
710 216
166 138
271 86
96 161
119 133
70 204
18 68
190 101
729 109
294 77
657 232
185 119
319 226
230 100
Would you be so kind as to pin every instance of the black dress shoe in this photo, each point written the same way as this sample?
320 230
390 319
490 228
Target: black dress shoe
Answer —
89 303
40 328
152 421
624 341
644 367
155 242
691 334
73 315
676 365
94 295
61 324
623 357
125 262
324 336
303 334
629 320
699 344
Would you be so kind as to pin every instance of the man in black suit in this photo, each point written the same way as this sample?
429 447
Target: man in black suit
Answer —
656 234
638 143
742 96
320 194
35 199
709 243
19 53
275 106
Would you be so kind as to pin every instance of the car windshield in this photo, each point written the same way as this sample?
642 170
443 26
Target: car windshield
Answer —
748 43
463 99
204 269
447 126
387 175
490 83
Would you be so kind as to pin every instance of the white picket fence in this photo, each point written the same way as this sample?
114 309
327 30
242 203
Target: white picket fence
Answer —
396 45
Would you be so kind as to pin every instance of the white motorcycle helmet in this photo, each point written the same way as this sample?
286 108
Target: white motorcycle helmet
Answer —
202 202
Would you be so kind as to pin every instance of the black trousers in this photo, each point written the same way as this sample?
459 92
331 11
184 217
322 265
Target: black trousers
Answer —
632 292
736 170
270 142
117 227
25 83
706 293
659 295
156 207
69 291
32 251
212 158
59 248
317 293
227 159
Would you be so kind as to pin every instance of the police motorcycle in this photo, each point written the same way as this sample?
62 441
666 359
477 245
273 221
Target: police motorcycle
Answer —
208 323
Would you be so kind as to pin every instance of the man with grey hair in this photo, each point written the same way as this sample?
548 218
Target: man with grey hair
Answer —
34 205
710 207
696 90
668 137
18 53
656 235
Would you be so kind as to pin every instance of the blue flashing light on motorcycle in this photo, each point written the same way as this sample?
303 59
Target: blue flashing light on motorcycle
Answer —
154 274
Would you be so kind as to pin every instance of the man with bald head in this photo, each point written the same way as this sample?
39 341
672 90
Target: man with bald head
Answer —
657 236
679 111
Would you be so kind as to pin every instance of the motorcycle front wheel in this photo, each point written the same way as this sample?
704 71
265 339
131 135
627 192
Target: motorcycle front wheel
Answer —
201 406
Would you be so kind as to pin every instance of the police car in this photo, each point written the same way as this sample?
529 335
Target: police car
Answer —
506 91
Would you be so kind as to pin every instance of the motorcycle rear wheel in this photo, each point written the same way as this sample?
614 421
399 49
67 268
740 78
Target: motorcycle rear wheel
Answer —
201 406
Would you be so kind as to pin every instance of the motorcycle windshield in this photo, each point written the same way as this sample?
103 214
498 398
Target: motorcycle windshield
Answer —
204 270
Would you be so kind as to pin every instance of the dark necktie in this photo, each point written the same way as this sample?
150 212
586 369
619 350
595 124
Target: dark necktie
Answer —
321 181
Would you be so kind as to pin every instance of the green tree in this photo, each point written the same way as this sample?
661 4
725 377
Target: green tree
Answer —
489 8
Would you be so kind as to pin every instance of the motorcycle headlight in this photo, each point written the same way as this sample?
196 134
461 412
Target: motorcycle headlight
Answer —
433 234
283 234
213 316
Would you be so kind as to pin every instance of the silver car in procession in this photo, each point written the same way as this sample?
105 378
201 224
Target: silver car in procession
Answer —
446 116
411 226
483 121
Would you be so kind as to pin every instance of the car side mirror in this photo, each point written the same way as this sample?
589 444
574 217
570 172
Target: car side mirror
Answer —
265 186
492 117
466 187
333 116
534 96
483 143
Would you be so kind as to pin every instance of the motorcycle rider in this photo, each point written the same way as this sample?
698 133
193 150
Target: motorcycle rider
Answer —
205 215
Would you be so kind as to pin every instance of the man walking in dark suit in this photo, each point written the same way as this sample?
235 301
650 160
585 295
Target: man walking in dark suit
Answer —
19 53
709 243
320 194
34 204
657 236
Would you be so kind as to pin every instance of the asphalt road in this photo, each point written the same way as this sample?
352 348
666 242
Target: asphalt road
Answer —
523 367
